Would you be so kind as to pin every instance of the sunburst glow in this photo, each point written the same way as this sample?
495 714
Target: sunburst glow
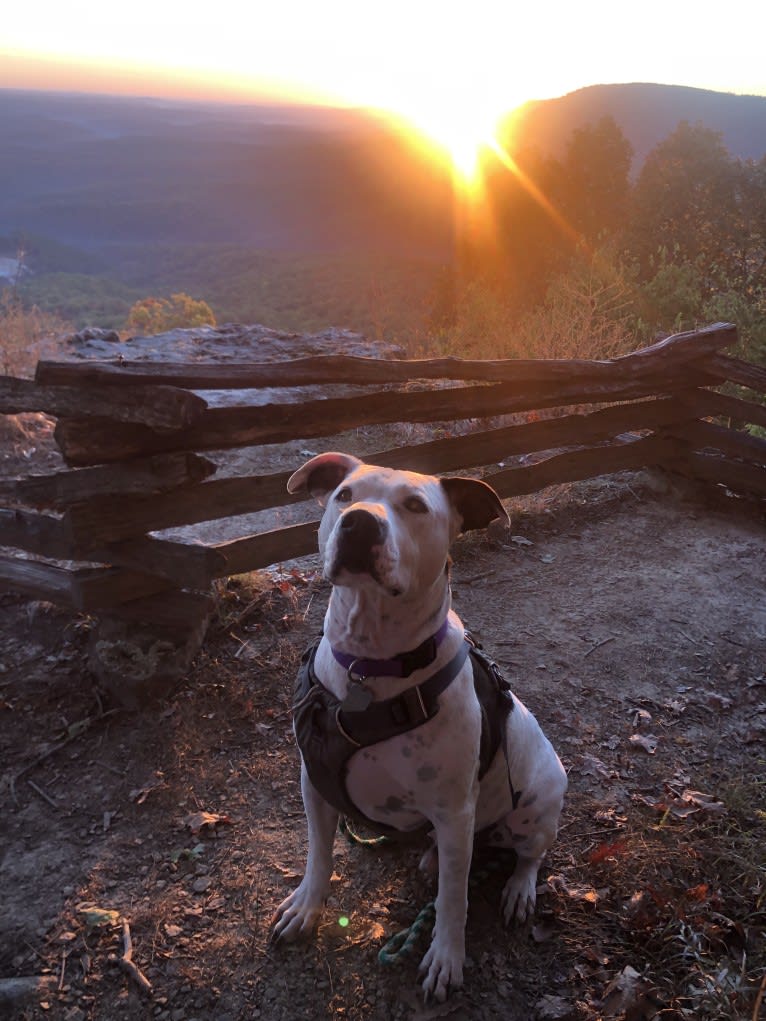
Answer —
461 131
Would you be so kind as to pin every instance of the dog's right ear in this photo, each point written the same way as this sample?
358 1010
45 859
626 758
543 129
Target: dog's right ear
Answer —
322 474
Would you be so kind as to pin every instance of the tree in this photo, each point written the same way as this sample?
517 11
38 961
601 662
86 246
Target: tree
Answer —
595 180
156 315
685 199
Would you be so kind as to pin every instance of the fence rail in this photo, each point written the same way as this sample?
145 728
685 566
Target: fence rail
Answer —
134 435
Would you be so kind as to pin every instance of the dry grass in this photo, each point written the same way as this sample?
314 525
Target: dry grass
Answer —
589 312
681 900
26 335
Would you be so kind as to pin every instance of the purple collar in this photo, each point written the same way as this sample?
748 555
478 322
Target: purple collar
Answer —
401 665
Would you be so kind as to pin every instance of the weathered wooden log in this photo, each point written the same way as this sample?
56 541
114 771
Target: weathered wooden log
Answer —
737 371
106 519
585 463
183 564
143 475
99 588
86 589
90 442
38 580
173 611
187 565
737 476
254 552
725 406
730 442
258 551
494 445
672 351
160 408
43 534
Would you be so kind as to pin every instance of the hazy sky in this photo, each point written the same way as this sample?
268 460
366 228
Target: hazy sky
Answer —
413 56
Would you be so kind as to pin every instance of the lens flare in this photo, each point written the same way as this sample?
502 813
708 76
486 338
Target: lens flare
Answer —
460 128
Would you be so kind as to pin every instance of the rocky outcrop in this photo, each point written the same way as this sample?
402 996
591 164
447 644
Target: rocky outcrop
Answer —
231 342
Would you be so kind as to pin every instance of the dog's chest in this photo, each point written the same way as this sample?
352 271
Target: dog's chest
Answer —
393 782
403 781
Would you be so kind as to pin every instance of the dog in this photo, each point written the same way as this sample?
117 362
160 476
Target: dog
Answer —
384 539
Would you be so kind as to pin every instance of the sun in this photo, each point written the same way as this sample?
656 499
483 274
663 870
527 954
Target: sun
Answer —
462 131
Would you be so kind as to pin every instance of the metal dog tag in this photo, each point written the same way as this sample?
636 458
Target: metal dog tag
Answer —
357 698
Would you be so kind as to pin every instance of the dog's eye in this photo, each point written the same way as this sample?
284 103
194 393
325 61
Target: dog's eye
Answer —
416 505
343 495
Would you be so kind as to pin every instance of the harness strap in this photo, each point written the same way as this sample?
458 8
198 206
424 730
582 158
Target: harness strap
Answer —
397 715
328 735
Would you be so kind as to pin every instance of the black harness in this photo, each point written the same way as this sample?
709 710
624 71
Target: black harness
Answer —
329 734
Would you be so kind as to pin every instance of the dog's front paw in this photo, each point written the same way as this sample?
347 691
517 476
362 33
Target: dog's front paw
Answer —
444 970
297 915
519 898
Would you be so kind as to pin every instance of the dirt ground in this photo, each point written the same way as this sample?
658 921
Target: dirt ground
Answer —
629 617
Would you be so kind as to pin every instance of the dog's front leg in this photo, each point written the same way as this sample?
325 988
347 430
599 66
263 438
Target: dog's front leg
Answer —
443 963
298 914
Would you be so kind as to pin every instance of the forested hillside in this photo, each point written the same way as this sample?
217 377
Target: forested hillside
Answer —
616 212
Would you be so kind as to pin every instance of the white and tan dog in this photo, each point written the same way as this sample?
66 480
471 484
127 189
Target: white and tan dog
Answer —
384 538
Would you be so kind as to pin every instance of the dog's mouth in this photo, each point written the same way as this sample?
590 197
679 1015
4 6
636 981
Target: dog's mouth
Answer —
359 563
355 561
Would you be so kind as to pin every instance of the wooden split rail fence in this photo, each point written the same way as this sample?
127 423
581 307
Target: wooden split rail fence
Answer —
135 433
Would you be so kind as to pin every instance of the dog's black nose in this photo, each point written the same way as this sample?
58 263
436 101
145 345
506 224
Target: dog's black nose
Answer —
362 528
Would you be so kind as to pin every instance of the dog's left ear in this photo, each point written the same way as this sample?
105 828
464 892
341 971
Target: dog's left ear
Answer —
475 502
322 474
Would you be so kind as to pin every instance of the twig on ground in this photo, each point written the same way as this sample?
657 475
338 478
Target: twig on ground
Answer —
688 638
53 749
41 792
599 644
126 961
64 955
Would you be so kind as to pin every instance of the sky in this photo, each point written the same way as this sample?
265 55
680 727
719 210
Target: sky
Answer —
444 64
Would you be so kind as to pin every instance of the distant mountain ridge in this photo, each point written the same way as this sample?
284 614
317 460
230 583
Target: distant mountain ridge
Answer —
96 172
646 113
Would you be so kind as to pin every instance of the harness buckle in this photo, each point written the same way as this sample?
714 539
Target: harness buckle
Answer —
415 705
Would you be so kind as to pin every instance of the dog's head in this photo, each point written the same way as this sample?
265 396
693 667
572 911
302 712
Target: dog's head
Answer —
389 528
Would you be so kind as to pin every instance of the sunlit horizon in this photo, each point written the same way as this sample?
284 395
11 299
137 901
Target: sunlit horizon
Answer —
450 69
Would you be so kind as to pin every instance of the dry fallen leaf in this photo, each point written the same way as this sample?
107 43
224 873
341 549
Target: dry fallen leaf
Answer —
94 916
288 871
197 820
706 802
591 766
615 849
628 996
586 894
646 741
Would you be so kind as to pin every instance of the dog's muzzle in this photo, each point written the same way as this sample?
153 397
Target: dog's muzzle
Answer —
359 536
